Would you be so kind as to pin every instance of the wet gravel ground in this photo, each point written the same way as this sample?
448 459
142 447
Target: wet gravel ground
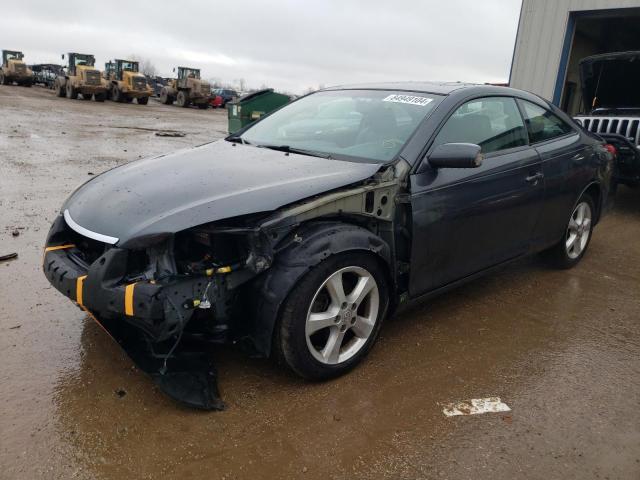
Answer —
561 348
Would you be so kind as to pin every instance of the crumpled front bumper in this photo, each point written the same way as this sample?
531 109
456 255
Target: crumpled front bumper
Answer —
146 318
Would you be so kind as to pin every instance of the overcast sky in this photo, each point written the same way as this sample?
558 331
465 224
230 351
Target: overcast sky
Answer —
286 44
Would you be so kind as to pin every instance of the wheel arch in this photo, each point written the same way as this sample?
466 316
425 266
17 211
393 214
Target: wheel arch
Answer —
310 244
594 190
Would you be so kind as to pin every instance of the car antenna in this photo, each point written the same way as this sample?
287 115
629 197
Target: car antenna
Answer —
595 94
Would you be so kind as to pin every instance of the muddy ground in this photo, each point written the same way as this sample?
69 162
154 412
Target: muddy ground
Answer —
561 348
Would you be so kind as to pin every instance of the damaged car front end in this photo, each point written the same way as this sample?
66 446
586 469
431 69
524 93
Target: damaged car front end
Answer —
212 255
166 298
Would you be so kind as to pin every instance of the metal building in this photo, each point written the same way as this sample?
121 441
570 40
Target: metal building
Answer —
554 35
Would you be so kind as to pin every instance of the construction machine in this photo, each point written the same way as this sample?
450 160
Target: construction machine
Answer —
14 69
126 82
81 78
187 89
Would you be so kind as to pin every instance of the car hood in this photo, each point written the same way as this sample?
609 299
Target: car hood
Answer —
215 181
611 78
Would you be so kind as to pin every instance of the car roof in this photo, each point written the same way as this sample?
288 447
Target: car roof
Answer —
438 88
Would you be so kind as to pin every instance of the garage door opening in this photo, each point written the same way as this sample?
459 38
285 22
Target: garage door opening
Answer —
599 33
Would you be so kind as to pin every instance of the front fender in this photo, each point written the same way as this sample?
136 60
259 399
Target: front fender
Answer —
311 244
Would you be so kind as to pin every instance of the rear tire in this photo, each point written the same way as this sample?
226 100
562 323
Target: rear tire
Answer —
568 252
183 99
3 79
324 331
72 93
60 91
143 100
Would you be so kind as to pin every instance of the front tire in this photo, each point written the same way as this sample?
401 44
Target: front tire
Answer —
165 98
72 93
116 95
568 252
183 99
60 92
332 317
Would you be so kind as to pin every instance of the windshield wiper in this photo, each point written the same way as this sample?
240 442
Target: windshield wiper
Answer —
301 151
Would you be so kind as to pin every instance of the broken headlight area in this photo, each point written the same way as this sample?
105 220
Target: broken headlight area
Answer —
165 303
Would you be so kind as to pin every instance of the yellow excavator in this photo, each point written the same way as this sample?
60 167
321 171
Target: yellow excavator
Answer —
126 82
81 78
14 69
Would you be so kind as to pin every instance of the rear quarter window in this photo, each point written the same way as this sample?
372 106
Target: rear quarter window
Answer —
542 124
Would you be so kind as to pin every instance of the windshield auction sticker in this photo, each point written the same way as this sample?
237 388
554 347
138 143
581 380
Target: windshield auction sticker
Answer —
410 99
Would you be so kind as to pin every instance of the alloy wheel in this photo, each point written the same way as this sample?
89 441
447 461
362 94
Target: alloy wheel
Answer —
579 230
342 315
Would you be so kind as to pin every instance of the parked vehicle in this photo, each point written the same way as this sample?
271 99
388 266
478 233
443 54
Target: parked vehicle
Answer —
227 95
81 78
157 83
300 246
126 82
187 89
216 101
46 74
612 105
14 70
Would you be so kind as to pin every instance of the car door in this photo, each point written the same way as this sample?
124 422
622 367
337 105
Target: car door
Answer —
564 164
468 219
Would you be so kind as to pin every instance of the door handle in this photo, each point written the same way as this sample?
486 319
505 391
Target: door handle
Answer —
577 157
535 178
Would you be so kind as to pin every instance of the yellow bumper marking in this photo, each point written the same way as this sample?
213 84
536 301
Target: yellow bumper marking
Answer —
79 285
128 299
59 247
224 270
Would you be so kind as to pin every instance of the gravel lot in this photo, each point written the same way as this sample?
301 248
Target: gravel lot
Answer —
561 348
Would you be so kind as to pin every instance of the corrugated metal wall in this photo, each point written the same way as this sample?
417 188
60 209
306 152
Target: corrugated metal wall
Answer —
541 32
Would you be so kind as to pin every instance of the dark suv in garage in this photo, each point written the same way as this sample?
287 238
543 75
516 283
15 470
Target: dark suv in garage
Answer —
299 234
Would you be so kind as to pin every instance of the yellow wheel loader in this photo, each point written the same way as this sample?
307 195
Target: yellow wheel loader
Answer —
126 82
187 89
14 69
81 79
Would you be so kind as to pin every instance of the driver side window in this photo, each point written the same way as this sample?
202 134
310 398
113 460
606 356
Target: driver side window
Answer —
493 123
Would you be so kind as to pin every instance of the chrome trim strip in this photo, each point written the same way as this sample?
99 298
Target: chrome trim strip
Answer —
88 233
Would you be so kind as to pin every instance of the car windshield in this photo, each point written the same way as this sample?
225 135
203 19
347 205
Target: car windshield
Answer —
369 124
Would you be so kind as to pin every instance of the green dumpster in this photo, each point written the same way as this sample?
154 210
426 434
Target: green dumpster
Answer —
251 107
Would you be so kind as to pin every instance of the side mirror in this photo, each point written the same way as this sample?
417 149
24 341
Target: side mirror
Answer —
456 155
